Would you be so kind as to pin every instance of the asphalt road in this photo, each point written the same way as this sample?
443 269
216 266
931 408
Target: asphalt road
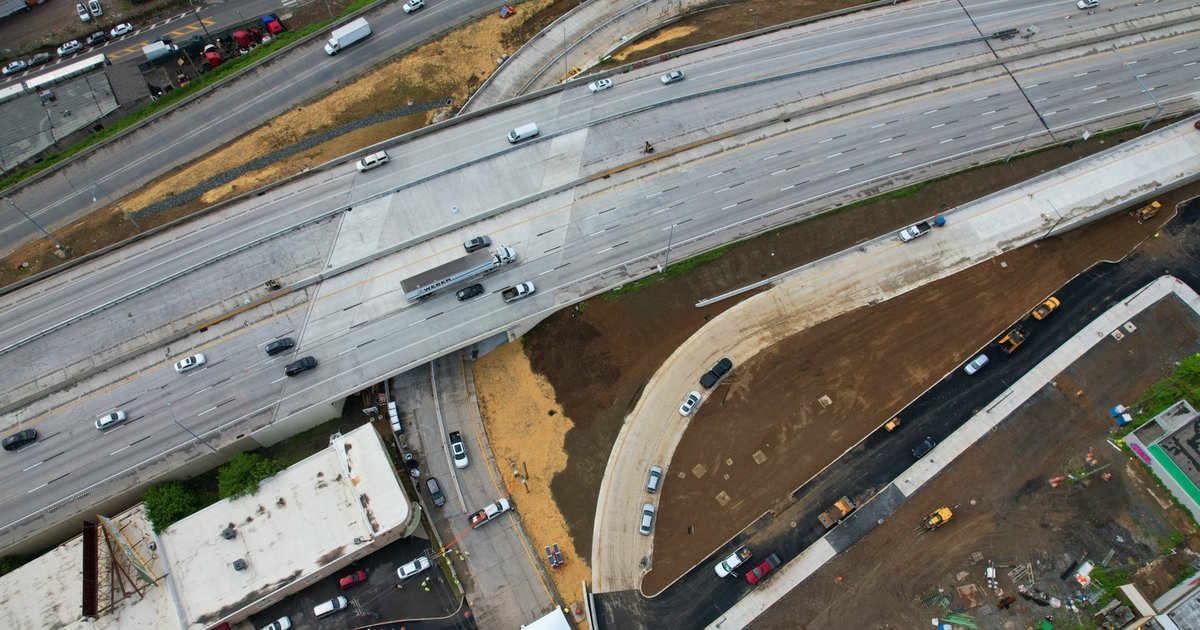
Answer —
360 328
699 597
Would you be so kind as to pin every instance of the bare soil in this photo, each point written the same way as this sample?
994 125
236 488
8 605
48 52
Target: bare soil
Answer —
1010 514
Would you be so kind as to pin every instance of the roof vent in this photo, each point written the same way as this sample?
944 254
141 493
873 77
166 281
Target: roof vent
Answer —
239 565
229 533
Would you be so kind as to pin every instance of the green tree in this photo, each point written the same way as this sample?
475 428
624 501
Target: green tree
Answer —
168 502
243 473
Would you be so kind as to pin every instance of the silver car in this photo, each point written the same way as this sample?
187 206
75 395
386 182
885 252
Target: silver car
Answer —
976 363
647 519
689 404
600 86
674 76
190 363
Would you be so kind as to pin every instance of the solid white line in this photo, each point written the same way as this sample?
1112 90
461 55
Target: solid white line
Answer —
1081 74
825 140
1179 51
988 113
1099 101
127 446
946 140
32 490
717 192
32 467
730 206
1090 87
780 172
886 140
833 156
770 157
999 127
660 210
786 188
895 155
1189 64
206 411
938 125
346 351
545 272
879 125
654 194
841 171
932 111
714 175
603 250
981 98
596 233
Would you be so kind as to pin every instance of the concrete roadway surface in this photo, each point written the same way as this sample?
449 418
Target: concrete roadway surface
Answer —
243 105
60 299
605 235
262 94
699 597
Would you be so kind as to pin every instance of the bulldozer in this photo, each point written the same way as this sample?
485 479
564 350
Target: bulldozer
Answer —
940 517
1147 212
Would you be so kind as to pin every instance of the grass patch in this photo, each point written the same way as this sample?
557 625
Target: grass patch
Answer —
671 271
1182 384
1109 578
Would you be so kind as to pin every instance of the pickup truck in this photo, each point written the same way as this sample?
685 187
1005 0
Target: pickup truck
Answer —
835 514
485 516
735 559
514 293
914 231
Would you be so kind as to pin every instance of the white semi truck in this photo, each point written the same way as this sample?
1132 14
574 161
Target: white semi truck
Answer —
349 33
473 265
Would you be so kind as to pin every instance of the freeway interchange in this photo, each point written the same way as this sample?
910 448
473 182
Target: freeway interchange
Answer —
756 136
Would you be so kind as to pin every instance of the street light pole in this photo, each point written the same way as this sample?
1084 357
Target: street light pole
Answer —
96 186
196 12
198 438
57 244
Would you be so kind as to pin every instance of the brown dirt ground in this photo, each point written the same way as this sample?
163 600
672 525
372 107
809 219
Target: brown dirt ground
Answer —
599 355
518 410
1010 513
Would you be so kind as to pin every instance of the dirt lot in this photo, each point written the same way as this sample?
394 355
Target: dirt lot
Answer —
1010 514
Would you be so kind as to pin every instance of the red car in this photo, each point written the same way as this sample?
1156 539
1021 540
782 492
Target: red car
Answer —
358 577
755 575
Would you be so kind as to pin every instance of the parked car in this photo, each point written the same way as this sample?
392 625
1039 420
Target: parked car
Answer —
40 58
83 12
282 623
655 478
14 67
1087 4
99 37
435 491
322 610
647 519
689 404
458 450
923 447
190 363
109 420
125 29
467 293
19 439
714 376
674 76
300 365
280 345
413 5
755 575
70 48
975 364
477 243
600 86
358 577
412 568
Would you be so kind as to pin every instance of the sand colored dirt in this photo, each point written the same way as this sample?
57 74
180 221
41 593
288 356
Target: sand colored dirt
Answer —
526 428
661 38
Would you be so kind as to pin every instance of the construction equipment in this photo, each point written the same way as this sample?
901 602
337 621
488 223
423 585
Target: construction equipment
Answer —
940 517
1045 308
835 514
1147 212
893 424
1012 339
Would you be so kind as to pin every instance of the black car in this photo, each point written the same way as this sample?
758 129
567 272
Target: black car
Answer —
469 292
923 447
296 367
280 345
714 376
99 37
19 439
39 59
477 243
435 492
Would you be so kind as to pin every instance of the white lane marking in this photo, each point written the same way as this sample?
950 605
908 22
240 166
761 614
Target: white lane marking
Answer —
207 410
886 140
988 113
938 125
825 140
834 155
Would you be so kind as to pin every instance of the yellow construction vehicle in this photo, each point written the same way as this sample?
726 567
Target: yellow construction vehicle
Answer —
1147 212
1012 339
892 425
940 517
1045 308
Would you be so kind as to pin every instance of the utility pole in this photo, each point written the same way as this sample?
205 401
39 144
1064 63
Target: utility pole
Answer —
58 245
198 438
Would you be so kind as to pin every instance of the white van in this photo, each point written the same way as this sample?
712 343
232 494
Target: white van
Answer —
371 161
524 132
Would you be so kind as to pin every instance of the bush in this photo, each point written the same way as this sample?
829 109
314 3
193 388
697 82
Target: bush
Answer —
243 473
168 502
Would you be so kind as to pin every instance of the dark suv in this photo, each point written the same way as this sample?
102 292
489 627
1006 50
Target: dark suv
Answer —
923 447
19 439
99 37
296 367
714 376
469 292
280 345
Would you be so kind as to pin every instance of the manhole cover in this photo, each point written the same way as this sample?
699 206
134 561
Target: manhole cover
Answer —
759 457
722 498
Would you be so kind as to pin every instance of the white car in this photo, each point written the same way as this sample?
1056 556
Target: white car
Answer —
83 12
458 450
124 29
70 48
413 5
1087 4
282 623
109 420
14 67
190 363
674 76
976 364
600 86
689 404
412 568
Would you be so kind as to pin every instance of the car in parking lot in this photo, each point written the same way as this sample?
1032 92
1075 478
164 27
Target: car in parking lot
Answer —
280 345
647 519
83 12
19 439
39 59
324 609
300 365
109 420
458 450
975 364
125 29
412 568
70 48
600 86
923 447
755 575
467 293
435 492
282 623
358 577
190 363
654 479
14 67
689 404
477 243
674 76
99 37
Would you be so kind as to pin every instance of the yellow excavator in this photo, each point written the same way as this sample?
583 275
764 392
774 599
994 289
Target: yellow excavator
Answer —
940 517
